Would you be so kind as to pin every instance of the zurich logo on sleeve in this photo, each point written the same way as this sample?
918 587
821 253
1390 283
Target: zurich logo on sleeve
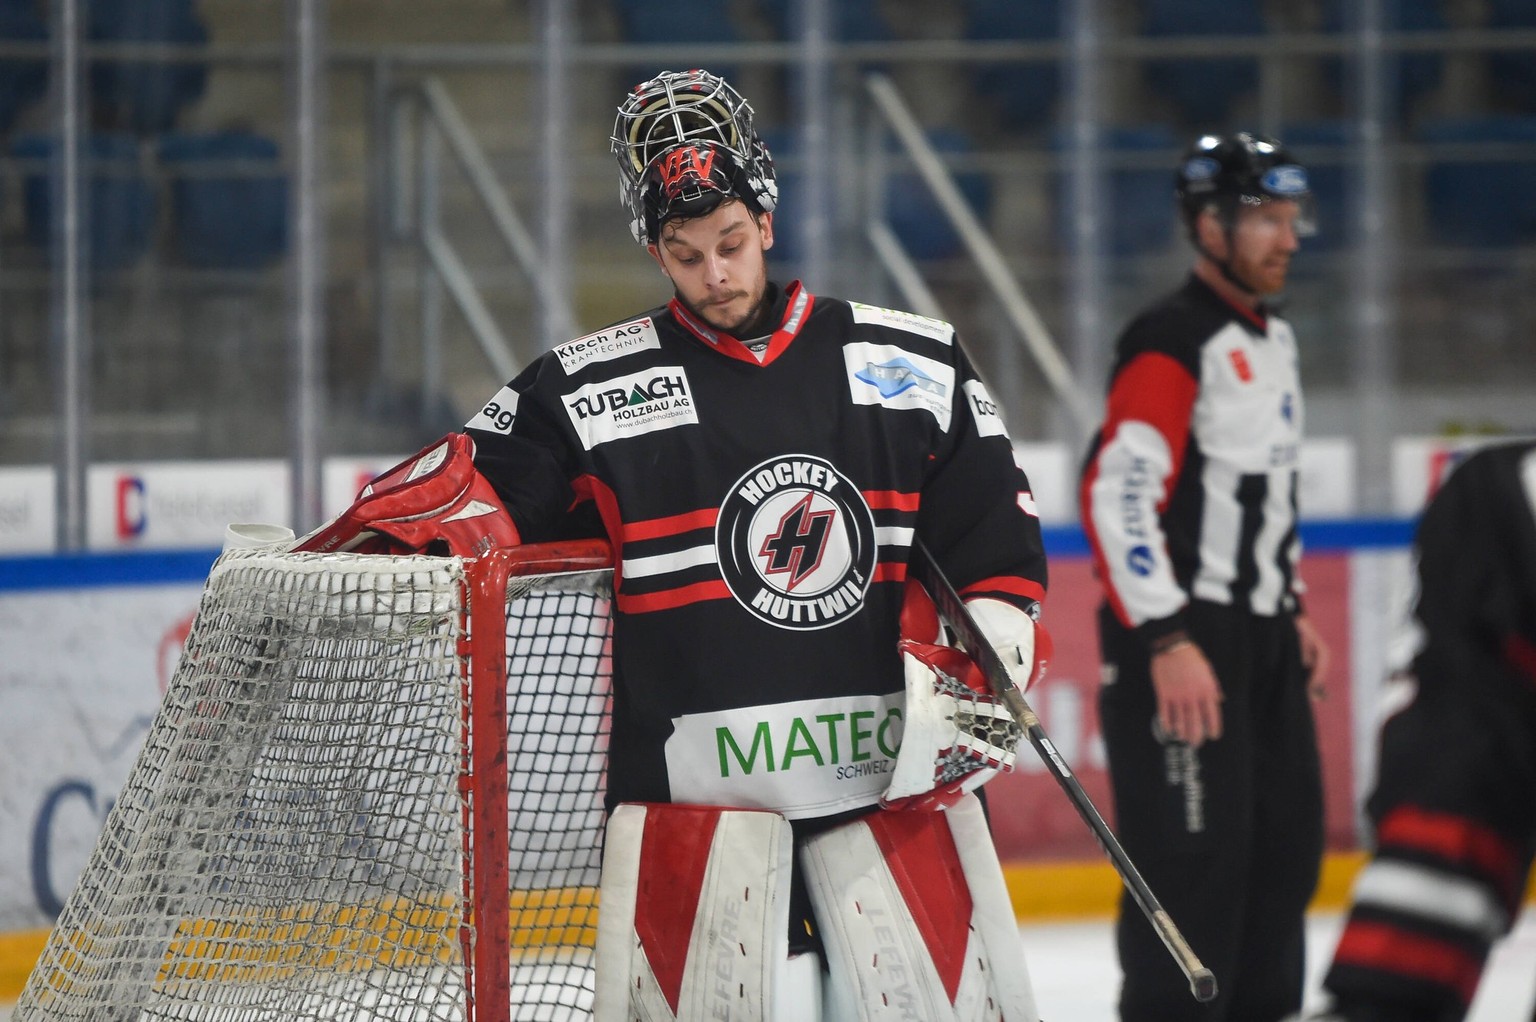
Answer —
1285 179
1141 560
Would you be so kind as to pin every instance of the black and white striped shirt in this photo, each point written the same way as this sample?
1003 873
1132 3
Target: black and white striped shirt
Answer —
1189 489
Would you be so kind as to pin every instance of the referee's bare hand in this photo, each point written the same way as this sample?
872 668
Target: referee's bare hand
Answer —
1315 656
1188 694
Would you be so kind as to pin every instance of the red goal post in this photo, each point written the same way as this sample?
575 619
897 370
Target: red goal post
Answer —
344 810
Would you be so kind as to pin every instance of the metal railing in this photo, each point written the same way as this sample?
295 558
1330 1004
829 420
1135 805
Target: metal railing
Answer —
438 121
1030 328
1364 326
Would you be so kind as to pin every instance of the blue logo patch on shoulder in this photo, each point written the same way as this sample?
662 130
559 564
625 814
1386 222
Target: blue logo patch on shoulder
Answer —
897 376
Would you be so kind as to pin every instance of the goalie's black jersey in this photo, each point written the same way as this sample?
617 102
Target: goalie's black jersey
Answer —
761 511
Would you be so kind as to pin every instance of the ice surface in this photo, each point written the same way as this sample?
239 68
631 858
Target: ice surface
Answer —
1077 979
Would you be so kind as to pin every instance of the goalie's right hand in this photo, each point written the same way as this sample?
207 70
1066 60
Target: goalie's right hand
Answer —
1022 643
956 734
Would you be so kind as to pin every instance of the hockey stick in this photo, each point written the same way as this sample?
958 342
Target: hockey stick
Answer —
1202 982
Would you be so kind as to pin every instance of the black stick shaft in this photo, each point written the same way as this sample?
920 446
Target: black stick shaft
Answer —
1202 983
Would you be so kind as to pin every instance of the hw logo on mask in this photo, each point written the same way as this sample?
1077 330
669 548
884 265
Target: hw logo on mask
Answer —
686 166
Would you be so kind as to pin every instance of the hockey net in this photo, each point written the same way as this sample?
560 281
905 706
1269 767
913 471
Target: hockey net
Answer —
343 810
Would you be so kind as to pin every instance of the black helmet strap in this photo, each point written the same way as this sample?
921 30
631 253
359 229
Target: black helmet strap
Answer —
1228 221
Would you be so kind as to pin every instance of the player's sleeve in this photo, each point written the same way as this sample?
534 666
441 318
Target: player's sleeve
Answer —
977 512
521 448
1454 832
1476 549
1128 479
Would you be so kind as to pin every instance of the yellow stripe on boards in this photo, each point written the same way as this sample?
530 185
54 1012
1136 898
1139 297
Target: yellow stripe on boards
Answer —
19 951
407 933
1078 889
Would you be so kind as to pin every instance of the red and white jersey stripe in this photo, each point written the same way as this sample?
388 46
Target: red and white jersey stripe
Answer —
1189 490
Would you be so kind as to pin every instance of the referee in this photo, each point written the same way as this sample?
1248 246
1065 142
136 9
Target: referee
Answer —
1189 502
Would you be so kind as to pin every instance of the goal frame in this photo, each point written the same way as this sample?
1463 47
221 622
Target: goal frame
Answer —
489 582
262 677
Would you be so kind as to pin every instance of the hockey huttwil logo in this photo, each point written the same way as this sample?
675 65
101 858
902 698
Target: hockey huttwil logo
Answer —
796 543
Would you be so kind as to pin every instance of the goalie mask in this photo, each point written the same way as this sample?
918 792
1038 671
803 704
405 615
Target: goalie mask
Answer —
685 143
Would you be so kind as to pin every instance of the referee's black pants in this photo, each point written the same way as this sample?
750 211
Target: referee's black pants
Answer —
1228 836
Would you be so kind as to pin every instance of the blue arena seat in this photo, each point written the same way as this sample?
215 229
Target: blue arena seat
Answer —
1202 89
1513 72
1323 148
850 21
122 202
1140 198
915 215
1482 201
910 208
783 146
1024 94
229 199
853 21
677 23
22 82
138 95
1510 13
1415 74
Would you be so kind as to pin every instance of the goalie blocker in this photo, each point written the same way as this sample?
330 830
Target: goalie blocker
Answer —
911 907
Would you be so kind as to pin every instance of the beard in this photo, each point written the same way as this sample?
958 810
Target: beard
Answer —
749 324
1262 278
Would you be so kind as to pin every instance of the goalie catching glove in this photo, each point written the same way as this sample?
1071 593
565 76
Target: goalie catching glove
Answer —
956 734
435 498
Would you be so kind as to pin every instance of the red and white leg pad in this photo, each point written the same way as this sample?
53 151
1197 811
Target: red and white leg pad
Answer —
695 913
916 919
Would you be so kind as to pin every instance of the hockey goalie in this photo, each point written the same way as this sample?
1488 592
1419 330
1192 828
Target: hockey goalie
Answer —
747 906
794 831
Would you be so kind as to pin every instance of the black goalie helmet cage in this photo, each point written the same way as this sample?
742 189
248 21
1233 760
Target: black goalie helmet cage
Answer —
1226 172
684 141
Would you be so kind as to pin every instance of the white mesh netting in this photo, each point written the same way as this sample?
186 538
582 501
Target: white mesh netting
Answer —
291 841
